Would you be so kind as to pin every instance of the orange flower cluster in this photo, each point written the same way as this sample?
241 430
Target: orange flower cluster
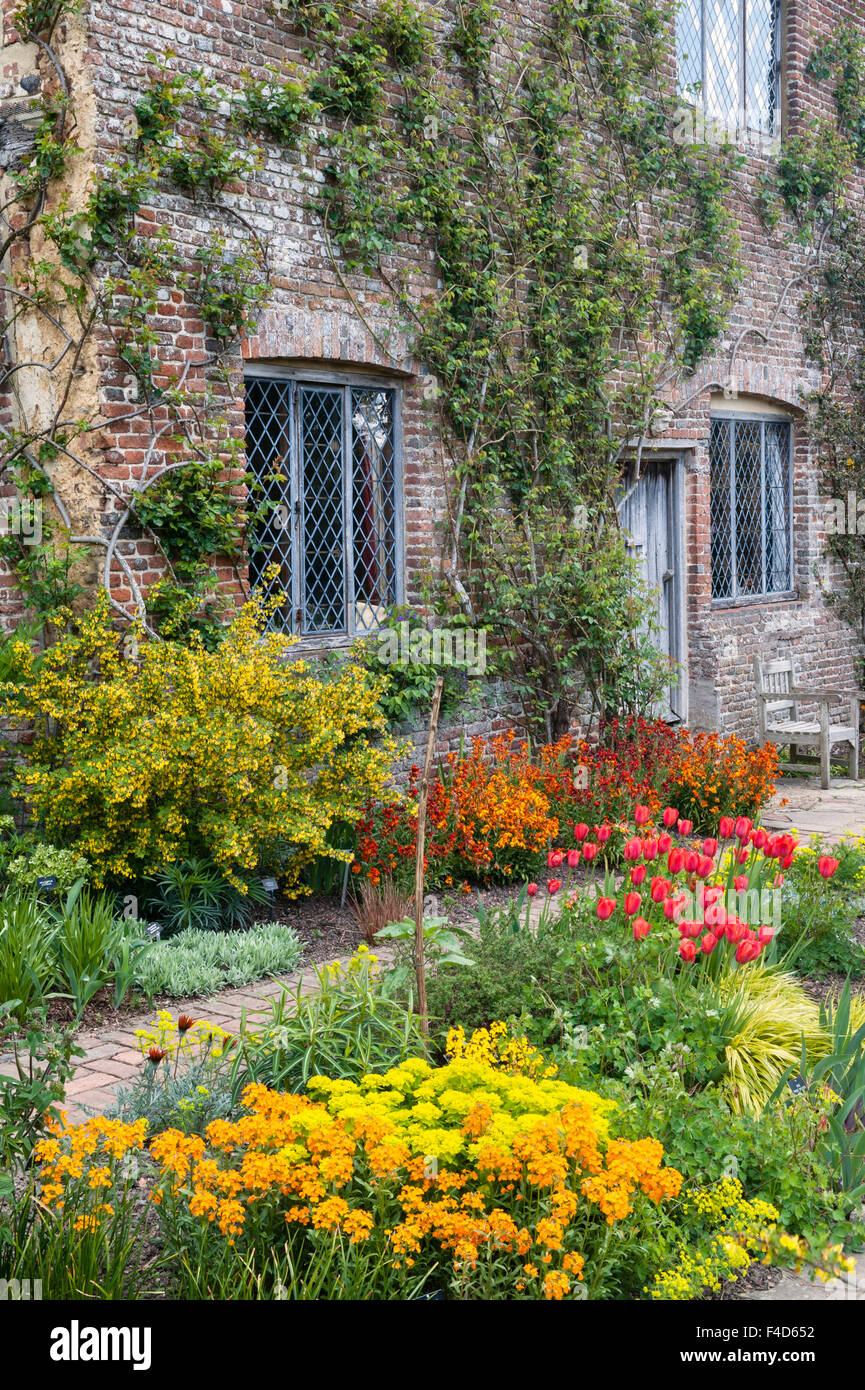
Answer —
714 775
525 1206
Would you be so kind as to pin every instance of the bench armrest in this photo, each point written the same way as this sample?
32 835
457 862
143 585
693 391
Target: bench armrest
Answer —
804 692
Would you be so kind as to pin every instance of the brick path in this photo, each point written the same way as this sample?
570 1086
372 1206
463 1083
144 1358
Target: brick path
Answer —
112 1057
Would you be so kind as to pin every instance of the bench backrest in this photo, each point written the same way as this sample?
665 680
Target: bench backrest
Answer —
775 678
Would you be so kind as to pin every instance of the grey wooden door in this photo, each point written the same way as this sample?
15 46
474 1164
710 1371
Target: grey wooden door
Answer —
650 514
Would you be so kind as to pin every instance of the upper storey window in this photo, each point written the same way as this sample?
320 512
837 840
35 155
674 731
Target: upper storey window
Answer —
729 61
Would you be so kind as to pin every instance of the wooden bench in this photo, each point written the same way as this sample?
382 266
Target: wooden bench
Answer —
779 720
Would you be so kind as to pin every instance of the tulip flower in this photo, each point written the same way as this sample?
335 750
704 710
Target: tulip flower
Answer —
633 903
787 862
676 860
711 893
589 852
532 890
743 856
692 861
554 858
826 865
736 930
603 833
705 867
553 885
650 849
690 929
660 889
641 928
687 950
740 882
581 830
664 843
674 907
764 935
638 873
606 907
685 827
669 817
747 950
759 837
708 944
725 829
633 848
573 858
710 847
743 827
715 916
641 815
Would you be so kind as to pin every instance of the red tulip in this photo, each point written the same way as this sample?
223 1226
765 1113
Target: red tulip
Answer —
743 826
660 889
715 916
687 950
725 830
759 837
606 907
786 862
641 815
710 847
827 865
632 848
603 833
633 903
743 856
650 849
777 881
638 873
764 935
690 929
553 885
581 830
676 860
554 858
711 893
573 858
641 928
708 944
670 817
692 861
736 930
532 890
674 907
740 882
747 950
664 843
589 852
685 827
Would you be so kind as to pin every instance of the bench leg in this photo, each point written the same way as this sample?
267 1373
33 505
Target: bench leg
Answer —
794 752
854 760
824 764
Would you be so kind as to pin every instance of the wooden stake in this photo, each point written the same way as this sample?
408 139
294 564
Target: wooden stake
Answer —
419 964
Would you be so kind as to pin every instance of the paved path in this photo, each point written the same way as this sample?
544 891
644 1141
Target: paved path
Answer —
798 1288
814 812
113 1058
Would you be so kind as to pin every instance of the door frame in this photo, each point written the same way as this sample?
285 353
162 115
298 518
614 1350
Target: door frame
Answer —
678 541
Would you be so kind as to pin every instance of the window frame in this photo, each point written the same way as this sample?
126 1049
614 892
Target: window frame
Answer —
699 100
299 374
737 600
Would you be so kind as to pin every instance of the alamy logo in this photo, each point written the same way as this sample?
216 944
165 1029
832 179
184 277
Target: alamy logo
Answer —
465 648
20 1289
77 1343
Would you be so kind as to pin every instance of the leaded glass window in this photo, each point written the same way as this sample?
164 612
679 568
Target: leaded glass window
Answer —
750 507
729 61
325 459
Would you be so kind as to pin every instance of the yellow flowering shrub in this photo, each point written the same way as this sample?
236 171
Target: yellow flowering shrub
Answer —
191 1042
730 1235
184 752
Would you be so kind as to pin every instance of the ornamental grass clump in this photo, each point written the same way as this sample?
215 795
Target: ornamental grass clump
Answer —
183 753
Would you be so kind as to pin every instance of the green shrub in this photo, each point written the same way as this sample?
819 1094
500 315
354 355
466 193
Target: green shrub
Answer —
46 861
202 962
193 895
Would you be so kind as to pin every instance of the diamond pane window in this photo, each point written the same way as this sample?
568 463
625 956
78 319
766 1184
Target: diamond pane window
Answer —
325 458
750 508
729 61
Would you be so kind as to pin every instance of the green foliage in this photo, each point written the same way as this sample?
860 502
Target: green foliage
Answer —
186 1098
843 57
352 87
194 512
201 962
40 17
42 1057
276 109
813 170
39 860
405 32
347 1028
472 37
193 894
229 288
406 686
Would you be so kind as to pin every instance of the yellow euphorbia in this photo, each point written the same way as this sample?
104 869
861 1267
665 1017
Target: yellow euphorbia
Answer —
188 752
